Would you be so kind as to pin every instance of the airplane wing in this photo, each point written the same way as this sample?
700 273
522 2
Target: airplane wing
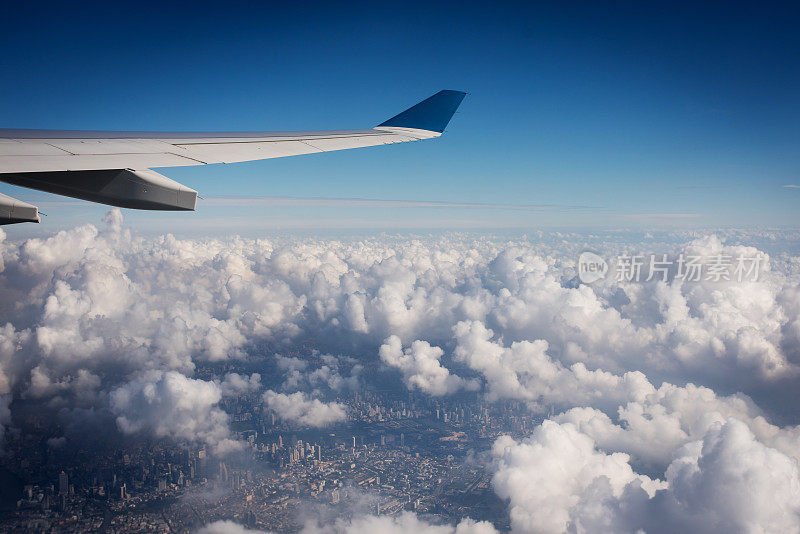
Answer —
114 167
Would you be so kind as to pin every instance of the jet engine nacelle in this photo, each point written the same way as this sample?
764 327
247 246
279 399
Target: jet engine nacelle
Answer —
126 188
16 211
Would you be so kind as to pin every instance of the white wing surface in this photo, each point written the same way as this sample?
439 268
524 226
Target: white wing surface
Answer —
114 167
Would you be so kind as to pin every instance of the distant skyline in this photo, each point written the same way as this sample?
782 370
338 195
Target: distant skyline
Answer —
611 115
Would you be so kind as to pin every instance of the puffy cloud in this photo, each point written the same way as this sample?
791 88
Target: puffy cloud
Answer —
330 376
652 422
672 416
228 527
298 408
405 523
293 367
731 482
724 334
168 404
421 367
557 481
235 384
553 471
525 371
331 372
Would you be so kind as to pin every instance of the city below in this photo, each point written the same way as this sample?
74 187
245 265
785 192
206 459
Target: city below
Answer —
396 451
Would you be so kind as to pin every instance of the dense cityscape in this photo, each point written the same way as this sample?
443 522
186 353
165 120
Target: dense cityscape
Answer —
395 452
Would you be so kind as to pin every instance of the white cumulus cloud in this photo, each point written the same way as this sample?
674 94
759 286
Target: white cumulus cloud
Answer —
235 384
298 408
168 404
405 523
421 368
558 480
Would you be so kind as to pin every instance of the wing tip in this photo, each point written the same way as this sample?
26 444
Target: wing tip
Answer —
432 114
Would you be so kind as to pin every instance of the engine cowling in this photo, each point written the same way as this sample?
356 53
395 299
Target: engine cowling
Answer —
126 188
14 211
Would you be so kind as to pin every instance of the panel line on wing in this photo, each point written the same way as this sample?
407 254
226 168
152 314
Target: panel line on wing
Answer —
216 141
188 157
305 142
61 149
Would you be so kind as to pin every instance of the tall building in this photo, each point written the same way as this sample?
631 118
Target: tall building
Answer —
63 483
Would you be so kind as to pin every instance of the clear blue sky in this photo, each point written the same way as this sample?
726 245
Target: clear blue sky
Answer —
637 110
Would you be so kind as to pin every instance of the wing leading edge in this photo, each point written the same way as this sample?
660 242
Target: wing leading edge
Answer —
114 167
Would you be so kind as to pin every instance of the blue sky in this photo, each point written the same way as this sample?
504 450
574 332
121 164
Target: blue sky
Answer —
618 114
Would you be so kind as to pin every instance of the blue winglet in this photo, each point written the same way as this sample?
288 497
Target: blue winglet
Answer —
431 114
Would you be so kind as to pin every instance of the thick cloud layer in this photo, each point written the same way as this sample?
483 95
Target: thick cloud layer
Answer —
653 421
672 378
97 299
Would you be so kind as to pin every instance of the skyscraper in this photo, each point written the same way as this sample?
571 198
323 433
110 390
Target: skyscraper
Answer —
63 483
